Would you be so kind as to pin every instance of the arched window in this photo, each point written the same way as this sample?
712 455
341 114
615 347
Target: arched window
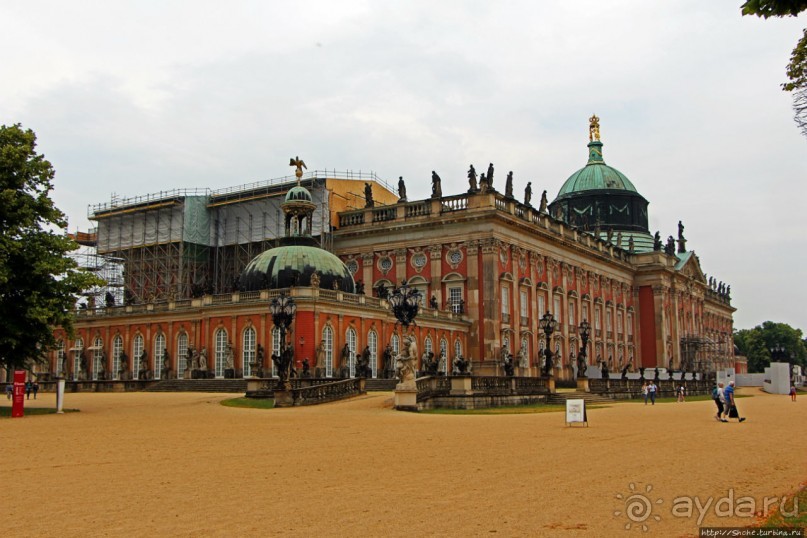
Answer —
182 354
78 349
372 341
275 348
350 338
443 365
396 345
97 357
427 345
327 341
248 350
220 342
117 351
159 355
137 350
60 358
457 348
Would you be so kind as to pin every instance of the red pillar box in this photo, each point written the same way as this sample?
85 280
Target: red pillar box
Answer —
18 403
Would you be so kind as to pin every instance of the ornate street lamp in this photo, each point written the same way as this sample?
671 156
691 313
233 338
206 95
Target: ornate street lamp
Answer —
547 324
582 359
405 304
283 309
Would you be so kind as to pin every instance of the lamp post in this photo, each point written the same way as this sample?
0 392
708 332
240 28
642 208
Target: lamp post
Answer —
547 324
582 357
405 304
283 309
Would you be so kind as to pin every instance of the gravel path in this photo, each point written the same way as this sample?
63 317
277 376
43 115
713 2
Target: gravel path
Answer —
145 464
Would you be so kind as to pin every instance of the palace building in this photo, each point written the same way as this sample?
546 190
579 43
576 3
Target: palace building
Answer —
194 271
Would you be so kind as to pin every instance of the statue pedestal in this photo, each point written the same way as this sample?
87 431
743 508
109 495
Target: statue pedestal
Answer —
582 384
550 384
461 385
406 399
197 374
186 374
283 398
229 373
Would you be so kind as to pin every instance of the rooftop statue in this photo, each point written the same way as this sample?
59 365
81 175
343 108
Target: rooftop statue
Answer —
368 195
472 180
528 193
437 190
401 189
508 186
594 128
542 208
298 162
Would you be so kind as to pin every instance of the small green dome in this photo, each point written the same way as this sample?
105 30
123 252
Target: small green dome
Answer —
298 194
293 265
596 175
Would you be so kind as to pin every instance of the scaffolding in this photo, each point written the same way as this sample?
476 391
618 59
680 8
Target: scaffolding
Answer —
185 243
107 268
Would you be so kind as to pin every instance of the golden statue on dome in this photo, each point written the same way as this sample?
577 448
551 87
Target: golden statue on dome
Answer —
594 128
298 162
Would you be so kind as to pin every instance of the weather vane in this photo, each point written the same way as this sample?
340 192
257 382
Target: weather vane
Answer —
594 128
298 162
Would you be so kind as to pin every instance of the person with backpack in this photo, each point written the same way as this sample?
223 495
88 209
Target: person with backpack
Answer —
719 398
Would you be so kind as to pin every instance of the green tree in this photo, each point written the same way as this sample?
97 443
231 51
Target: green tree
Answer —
757 343
38 280
797 68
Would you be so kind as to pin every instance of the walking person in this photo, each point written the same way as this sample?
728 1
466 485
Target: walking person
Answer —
28 388
731 403
681 394
719 398
644 392
651 390
793 393
36 388
9 391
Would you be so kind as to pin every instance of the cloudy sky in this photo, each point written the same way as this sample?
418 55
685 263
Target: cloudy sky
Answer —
138 97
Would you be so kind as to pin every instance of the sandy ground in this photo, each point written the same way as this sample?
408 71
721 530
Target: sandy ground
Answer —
147 464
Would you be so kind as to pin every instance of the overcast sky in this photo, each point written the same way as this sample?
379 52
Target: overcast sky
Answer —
138 97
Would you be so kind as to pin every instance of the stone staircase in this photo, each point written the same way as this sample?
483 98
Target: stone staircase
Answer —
199 385
559 398
379 385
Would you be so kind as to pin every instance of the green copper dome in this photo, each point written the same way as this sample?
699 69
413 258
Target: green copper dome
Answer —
596 175
298 194
293 265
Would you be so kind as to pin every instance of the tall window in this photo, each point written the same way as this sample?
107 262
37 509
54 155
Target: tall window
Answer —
619 322
137 350
350 338
457 348
630 324
327 339
455 299
60 357
275 348
585 312
220 341
523 304
182 353
396 345
443 355
557 312
248 350
541 305
78 348
427 346
159 354
505 303
98 357
117 351
597 318
608 321
372 341
572 317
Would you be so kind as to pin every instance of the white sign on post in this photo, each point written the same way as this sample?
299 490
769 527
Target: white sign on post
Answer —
576 412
